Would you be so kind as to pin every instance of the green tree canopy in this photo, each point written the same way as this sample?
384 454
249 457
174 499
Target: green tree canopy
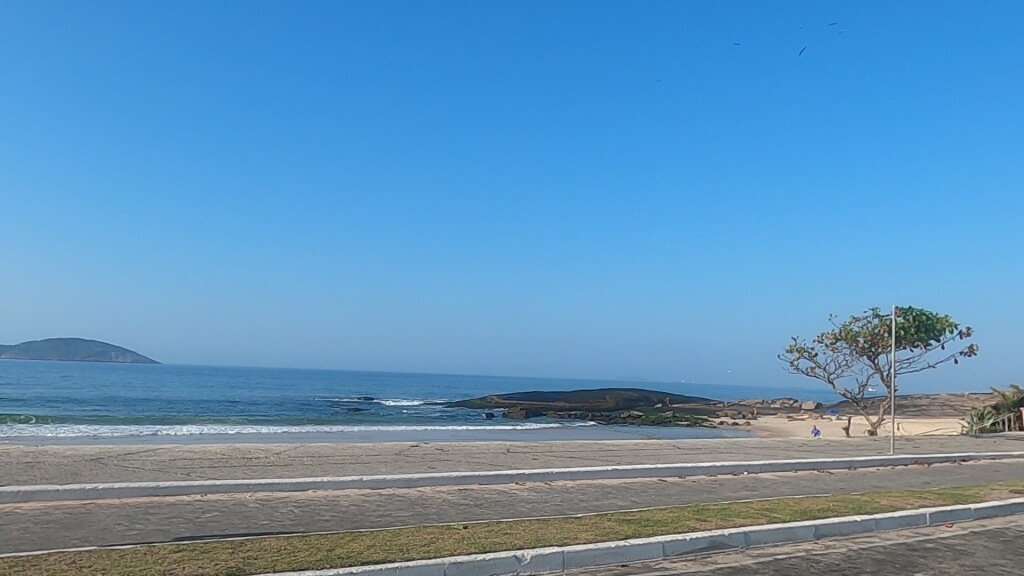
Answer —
855 355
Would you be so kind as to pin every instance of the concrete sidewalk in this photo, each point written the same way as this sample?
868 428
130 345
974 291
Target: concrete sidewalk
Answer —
990 547
25 465
50 525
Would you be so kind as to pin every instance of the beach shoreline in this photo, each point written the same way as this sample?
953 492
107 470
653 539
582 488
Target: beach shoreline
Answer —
775 426
592 433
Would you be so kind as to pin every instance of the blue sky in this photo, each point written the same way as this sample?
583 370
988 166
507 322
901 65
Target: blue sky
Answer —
579 189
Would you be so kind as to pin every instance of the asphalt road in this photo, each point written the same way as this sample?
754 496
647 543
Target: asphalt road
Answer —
24 464
989 547
56 525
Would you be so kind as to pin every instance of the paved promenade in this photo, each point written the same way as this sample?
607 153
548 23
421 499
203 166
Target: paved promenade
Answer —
46 526
990 547
23 465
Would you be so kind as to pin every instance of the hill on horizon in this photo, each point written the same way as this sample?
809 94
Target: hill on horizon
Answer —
72 349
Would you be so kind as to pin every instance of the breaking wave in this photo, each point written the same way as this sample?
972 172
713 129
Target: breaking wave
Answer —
381 401
111 431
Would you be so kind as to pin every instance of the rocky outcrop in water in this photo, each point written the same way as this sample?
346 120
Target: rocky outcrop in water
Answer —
597 400
646 417
632 406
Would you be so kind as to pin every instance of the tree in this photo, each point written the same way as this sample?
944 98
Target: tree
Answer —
999 416
854 356
1009 401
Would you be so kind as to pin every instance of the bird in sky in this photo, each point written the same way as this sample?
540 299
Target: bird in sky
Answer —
801 52
737 44
834 23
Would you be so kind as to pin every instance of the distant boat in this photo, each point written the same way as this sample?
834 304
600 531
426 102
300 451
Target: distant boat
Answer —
872 389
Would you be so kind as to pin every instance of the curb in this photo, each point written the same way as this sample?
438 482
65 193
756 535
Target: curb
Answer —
63 492
554 560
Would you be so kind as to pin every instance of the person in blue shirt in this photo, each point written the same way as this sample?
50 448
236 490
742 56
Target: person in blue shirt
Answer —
815 432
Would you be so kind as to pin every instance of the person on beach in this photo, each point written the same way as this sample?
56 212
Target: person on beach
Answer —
815 432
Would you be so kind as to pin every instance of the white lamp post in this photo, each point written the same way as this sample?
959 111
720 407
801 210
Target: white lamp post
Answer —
892 386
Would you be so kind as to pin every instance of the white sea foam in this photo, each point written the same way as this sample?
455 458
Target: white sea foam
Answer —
402 402
384 402
110 431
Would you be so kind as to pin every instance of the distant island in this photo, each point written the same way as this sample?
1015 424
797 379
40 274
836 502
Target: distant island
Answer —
72 349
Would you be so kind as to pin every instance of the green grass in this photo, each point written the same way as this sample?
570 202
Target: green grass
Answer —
311 552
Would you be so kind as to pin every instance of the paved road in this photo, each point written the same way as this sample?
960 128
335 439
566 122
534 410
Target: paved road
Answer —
53 525
989 547
21 465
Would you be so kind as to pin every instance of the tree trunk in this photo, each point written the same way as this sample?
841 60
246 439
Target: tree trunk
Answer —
873 430
873 425
882 410
846 429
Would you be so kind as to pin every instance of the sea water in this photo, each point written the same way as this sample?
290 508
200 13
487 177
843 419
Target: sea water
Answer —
44 401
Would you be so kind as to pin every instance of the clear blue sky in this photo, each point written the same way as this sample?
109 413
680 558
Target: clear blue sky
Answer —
580 189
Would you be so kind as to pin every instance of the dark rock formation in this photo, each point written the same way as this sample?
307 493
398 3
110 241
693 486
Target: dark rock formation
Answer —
925 405
599 400
630 406
520 413
639 418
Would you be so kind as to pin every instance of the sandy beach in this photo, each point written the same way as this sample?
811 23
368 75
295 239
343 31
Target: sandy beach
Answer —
783 426
917 415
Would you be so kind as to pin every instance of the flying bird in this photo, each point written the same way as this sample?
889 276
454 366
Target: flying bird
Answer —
833 24
737 44
801 52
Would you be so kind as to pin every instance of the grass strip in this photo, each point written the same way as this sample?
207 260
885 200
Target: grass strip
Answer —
312 552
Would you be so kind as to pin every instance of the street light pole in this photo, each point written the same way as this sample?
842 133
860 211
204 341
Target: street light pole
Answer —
892 387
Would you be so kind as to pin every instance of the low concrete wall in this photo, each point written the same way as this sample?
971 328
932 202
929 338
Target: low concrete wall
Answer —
46 493
554 560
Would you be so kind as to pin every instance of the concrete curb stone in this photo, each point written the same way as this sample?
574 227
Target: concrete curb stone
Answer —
901 520
624 552
848 526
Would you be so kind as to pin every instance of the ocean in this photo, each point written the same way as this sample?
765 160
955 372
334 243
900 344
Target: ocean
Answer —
69 402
